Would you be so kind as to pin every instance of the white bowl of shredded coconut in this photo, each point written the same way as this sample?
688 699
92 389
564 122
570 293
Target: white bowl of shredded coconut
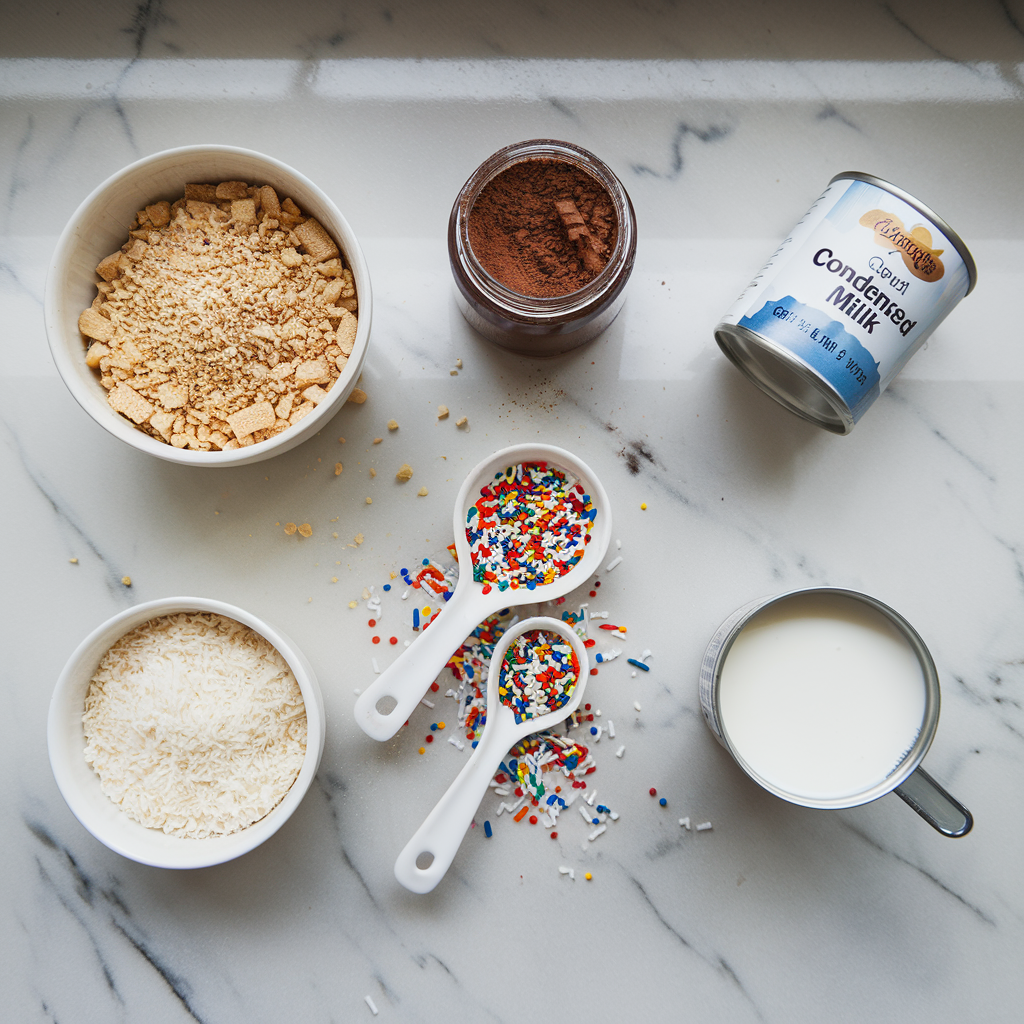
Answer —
184 732
209 305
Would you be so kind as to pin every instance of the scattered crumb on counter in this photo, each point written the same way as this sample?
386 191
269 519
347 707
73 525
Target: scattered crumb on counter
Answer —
373 472
126 580
392 424
338 467
305 530
423 492
404 472
462 422
377 440
290 528
369 501
73 561
357 397
442 412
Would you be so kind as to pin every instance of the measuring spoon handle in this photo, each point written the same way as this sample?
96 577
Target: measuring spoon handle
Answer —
438 839
409 677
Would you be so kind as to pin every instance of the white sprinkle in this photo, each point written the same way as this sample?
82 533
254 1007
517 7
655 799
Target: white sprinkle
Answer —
372 1005
597 737
613 815
599 615
456 743
612 654
685 822
598 713
591 796
406 643
611 729
571 798
614 562
405 595
427 703
618 545
567 871
586 817
597 831
704 826
519 803
376 667
646 656
498 790
621 750
632 675
450 693
357 691
636 703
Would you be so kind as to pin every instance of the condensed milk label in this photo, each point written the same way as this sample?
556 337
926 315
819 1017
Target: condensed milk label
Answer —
855 290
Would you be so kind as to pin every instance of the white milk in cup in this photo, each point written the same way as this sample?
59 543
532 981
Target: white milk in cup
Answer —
828 698
846 300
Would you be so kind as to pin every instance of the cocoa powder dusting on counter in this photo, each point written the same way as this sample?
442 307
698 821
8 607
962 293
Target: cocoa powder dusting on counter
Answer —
543 228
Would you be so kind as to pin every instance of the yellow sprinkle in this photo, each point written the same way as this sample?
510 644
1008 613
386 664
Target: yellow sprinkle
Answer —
353 604
394 575
423 750
588 876
440 725
426 609
622 629
73 561
334 579
643 505
126 580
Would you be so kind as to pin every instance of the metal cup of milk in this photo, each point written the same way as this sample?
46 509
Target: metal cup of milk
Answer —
828 698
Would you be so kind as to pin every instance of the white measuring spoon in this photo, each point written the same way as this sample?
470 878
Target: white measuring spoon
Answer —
403 684
438 839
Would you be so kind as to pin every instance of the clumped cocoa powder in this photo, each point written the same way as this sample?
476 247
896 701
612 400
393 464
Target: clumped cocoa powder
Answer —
543 228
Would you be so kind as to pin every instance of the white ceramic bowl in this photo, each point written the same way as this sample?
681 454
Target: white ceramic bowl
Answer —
80 785
100 227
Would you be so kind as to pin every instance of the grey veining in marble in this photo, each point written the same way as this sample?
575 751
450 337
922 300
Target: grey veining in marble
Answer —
724 125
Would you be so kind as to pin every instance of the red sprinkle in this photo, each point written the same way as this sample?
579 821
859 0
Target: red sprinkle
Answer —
593 593
554 835
607 625
393 640
533 819
487 588
435 687
586 707
589 643
372 623
653 791
593 671
376 639
597 583
430 739
519 790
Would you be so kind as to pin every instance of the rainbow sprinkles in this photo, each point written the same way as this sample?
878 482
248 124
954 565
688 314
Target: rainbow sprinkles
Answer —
538 675
529 526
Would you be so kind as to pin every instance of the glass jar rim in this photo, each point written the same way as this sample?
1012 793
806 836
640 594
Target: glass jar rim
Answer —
542 309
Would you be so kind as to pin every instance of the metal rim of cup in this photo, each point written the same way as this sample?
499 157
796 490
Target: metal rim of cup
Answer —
929 721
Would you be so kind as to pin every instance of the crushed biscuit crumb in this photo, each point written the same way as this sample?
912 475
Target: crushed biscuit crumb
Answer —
392 424
126 580
73 561
369 501
338 468
377 440
341 440
453 373
404 472
358 538
357 397
353 604
209 319
462 422
334 579
373 472
442 412
305 530
458 363
290 528
423 492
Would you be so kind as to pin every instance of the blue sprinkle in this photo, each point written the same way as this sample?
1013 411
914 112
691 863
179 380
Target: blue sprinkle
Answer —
593 730
447 595
663 802
415 618
487 829
404 572
595 821
433 726
599 658
552 799
639 664
387 586
475 742
426 561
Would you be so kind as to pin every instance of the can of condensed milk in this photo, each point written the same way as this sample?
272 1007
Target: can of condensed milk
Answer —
828 698
846 300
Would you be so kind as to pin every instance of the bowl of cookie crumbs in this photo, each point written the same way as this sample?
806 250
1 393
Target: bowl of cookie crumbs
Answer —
184 732
209 305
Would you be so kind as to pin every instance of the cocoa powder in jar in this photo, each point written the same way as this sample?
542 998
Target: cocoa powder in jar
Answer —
543 228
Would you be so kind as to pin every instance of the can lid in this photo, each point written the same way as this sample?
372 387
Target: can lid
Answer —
958 242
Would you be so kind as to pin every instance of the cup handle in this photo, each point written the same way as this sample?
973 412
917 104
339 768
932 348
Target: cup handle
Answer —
942 811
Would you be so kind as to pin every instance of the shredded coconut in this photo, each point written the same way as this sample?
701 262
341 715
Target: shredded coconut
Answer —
195 725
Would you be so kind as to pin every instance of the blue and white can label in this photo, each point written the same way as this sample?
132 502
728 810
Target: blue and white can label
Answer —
850 295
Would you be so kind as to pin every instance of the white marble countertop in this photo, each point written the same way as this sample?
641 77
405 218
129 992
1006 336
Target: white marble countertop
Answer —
724 127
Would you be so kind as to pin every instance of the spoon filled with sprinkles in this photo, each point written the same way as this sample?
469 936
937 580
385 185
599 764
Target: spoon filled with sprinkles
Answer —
531 523
537 678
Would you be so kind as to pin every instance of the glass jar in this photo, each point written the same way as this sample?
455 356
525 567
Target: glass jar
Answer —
540 325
